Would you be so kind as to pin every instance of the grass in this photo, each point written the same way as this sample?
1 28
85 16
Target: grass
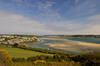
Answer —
21 53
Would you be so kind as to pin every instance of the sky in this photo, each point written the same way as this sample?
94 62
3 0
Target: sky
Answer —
45 17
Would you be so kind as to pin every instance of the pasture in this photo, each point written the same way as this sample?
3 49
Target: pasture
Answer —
21 53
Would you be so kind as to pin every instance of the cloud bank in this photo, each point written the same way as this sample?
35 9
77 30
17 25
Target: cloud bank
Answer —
19 24
15 23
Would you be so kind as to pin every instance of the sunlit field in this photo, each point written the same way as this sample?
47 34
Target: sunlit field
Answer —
21 53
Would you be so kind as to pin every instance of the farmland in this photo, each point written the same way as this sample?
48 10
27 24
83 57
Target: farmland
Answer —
21 53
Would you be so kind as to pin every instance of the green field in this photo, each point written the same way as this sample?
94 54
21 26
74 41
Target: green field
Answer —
21 53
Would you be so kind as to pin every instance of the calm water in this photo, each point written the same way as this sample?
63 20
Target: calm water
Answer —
42 44
90 40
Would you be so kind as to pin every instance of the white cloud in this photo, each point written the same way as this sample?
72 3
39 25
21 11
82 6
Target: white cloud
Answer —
85 8
17 23
46 9
94 27
95 18
91 25
45 6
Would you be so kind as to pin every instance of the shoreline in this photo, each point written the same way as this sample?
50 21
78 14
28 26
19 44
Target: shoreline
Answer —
72 46
75 46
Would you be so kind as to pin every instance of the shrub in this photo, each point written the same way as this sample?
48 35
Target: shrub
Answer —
5 58
92 59
18 59
3 55
40 61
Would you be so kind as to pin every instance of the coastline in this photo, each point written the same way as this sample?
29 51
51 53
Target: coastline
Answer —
75 46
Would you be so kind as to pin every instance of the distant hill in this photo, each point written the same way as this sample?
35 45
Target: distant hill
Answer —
90 36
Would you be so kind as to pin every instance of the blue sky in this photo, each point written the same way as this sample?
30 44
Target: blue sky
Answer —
50 16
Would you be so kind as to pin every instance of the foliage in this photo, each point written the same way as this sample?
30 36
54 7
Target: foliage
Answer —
5 58
44 57
90 36
47 64
43 50
92 59
39 61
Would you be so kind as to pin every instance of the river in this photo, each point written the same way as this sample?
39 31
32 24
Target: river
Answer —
68 44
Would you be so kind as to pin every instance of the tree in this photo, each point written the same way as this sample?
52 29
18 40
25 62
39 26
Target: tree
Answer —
16 45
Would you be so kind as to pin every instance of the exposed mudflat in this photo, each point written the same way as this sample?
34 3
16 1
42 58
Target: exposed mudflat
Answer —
66 45
74 46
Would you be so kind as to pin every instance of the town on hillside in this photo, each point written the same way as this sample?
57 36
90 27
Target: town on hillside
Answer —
12 39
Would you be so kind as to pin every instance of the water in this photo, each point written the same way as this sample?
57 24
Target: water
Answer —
42 44
52 40
90 40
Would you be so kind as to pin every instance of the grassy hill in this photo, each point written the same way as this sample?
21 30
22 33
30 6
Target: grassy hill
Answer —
20 53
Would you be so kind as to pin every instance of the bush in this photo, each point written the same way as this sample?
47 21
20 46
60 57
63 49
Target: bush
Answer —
40 61
18 59
92 59
5 58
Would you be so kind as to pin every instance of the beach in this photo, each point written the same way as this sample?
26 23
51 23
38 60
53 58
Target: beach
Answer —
75 46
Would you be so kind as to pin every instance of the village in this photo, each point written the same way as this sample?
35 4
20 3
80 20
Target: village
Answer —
20 39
